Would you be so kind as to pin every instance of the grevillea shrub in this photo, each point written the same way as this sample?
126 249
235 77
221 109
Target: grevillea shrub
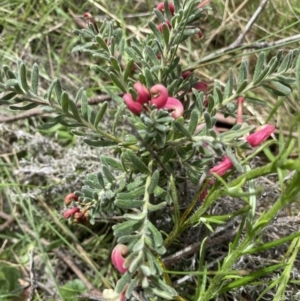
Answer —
167 165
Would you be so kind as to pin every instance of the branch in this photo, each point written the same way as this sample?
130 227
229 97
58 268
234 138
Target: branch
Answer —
38 112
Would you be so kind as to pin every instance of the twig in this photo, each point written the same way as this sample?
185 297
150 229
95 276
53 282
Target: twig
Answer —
37 112
241 37
68 261
33 284
9 219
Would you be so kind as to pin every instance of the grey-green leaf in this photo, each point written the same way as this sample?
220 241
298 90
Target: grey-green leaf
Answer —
35 79
137 162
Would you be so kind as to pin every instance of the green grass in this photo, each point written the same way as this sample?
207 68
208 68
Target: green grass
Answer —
32 188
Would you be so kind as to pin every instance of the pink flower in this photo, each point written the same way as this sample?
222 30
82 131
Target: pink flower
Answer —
239 118
117 258
133 106
175 105
143 93
260 136
161 99
70 197
70 212
161 7
221 168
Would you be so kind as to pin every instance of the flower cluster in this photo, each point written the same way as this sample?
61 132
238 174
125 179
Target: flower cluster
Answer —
157 95
76 213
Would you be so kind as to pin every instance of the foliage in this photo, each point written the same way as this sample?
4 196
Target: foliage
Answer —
161 161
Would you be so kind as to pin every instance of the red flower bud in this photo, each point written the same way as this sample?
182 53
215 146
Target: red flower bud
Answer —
70 197
201 86
117 258
70 212
161 99
161 7
133 106
261 135
175 105
159 26
186 74
221 168
200 34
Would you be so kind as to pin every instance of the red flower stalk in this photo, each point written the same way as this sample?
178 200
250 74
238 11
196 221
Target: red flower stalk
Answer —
117 258
161 99
203 3
239 118
70 212
143 93
133 106
159 26
221 168
261 135
70 197
175 105
161 7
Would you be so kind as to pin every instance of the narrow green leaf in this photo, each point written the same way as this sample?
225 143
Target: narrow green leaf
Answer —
153 182
261 76
242 87
208 120
174 196
115 64
136 262
22 77
78 95
51 123
123 282
11 83
24 108
35 78
157 33
243 73
58 90
159 15
151 56
128 204
278 88
259 66
128 70
102 43
182 129
100 113
137 162
65 101
74 110
133 194
99 143
157 237
285 64
127 227
157 207
117 82
166 33
229 85
149 78
193 121
84 106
